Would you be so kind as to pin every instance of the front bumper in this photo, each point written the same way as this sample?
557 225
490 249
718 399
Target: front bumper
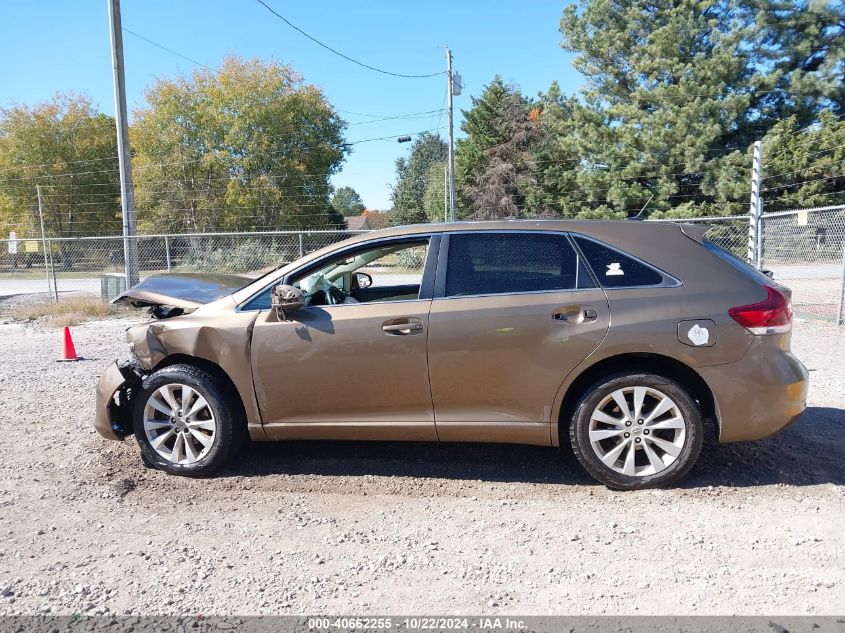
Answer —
112 417
757 396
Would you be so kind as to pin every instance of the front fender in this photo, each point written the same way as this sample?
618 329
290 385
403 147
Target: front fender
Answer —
216 334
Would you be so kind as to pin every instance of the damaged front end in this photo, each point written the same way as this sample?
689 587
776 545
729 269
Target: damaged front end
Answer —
166 296
115 391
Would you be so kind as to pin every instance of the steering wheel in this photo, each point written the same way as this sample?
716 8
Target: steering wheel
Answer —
335 295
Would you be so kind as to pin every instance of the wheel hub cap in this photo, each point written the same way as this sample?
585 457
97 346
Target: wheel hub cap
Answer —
179 424
637 431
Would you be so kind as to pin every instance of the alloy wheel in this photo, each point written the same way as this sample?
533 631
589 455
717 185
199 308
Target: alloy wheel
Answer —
637 431
179 423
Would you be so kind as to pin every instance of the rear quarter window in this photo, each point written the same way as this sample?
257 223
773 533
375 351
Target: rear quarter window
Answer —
615 269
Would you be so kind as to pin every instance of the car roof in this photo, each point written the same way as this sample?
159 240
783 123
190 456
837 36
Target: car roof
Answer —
588 227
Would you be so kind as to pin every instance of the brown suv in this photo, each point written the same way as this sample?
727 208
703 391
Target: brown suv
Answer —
623 338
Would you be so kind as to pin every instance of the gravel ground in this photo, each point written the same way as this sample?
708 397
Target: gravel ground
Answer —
404 528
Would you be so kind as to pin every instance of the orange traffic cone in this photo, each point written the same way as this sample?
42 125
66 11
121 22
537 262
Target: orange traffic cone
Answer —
68 349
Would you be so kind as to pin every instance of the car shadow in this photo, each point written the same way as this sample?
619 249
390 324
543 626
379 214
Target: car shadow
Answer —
810 452
455 461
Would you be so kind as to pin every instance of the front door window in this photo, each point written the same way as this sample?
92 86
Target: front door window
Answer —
391 272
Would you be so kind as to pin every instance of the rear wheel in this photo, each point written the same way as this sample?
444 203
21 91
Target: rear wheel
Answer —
637 430
183 421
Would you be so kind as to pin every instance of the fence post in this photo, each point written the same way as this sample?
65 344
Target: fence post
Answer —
840 317
43 241
167 251
53 269
756 206
301 245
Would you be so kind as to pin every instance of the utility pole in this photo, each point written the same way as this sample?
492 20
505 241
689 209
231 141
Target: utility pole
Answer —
450 92
756 208
446 193
127 190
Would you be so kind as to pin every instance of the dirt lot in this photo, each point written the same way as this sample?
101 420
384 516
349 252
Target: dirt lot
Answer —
363 528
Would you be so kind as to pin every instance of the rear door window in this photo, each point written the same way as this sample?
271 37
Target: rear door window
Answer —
615 269
497 263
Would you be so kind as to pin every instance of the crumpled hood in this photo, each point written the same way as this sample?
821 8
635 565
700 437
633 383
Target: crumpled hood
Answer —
183 290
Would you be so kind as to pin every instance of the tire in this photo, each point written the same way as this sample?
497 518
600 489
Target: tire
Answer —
665 447
208 433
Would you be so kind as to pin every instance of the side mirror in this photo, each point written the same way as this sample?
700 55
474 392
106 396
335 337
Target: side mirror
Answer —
286 299
363 280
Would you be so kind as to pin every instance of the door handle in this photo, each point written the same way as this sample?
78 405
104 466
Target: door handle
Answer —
404 327
576 314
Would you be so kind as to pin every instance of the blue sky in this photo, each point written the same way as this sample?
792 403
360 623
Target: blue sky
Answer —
53 45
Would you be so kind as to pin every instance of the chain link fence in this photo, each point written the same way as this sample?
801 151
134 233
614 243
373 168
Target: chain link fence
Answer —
729 232
804 249
95 265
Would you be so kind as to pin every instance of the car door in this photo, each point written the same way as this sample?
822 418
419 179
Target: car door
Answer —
514 312
356 370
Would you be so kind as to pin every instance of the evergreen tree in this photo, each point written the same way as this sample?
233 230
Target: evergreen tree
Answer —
495 167
435 193
558 155
677 93
668 86
412 177
801 45
804 166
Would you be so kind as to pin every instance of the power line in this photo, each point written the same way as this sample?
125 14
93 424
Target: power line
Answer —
67 162
164 48
651 93
338 53
803 196
409 116
804 182
422 114
387 116
186 162
808 19
798 147
419 115
809 168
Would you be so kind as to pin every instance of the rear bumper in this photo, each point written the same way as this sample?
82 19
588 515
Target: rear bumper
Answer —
111 419
757 396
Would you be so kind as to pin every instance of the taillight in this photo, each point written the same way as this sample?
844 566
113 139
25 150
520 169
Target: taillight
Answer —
773 315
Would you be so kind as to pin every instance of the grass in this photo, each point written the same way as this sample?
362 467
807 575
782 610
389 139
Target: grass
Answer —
70 311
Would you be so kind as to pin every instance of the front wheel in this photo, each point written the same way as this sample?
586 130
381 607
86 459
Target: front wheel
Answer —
636 430
183 421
